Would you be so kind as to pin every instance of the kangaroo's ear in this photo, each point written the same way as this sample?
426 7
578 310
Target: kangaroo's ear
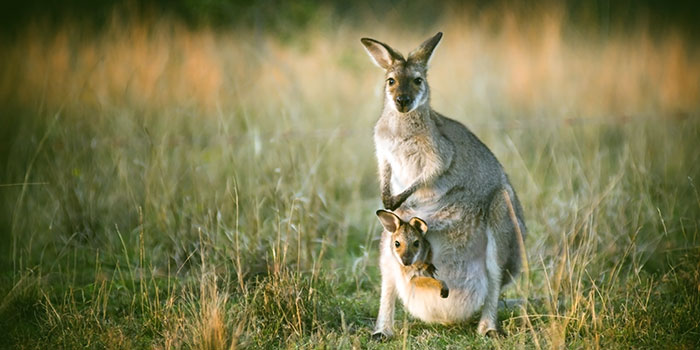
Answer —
419 224
382 55
425 51
389 220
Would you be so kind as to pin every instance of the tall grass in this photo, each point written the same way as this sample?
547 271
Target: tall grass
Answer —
177 188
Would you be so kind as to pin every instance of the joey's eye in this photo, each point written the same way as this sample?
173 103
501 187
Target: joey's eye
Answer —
391 82
397 244
416 244
418 81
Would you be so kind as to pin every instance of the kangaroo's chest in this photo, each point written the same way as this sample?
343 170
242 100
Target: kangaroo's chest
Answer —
410 158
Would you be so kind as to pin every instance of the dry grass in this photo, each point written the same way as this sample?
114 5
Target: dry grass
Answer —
207 189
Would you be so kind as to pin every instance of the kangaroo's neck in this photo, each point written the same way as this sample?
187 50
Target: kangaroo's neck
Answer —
417 121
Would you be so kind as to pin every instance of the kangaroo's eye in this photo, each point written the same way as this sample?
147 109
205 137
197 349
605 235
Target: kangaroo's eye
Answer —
391 82
418 81
416 244
397 244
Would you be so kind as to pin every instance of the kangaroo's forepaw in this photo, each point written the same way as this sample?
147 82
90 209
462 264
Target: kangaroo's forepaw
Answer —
388 205
392 203
444 293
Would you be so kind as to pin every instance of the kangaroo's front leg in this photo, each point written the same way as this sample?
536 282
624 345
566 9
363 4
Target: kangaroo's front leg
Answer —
397 200
431 283
434 165
385 184
385 318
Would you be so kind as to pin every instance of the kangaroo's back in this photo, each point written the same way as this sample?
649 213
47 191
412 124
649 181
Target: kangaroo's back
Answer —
475 169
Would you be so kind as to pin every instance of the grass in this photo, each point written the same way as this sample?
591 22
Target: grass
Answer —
164 187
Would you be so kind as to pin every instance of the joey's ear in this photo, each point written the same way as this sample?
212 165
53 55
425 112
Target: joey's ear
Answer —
382 54
425 51
419 224
389 220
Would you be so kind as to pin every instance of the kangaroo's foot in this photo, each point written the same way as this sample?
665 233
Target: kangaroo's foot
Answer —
487 327
382 334
494 334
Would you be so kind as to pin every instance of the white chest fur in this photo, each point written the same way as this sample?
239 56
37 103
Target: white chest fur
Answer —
403 163
411 159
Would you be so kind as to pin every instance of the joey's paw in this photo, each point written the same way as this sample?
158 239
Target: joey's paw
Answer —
444 293
382 335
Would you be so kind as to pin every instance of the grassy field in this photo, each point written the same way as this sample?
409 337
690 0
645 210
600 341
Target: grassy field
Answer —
168 187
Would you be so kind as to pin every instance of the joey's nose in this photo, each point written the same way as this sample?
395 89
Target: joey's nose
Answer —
406 261
403 100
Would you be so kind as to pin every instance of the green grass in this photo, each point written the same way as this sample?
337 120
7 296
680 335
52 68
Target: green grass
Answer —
164 188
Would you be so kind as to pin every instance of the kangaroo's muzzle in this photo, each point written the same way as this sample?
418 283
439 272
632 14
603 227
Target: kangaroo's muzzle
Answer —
403 102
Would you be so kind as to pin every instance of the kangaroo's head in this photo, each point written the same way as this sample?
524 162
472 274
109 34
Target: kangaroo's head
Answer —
405 86
407 238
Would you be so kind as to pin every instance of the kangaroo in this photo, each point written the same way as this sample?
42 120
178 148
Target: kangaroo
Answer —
433 167
411 250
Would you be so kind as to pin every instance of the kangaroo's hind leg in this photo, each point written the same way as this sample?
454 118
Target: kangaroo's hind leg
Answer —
385 318
502 258
431 283
488 323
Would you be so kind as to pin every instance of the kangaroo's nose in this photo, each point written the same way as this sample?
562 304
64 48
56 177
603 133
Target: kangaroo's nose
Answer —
406 261
403 100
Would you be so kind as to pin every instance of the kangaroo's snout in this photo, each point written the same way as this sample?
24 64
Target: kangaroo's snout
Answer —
406 260
403 101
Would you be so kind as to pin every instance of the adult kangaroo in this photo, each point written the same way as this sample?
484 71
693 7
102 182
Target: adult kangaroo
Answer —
433 167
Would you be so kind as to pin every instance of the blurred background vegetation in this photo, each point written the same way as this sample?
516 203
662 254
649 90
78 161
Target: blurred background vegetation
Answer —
200 174
281 17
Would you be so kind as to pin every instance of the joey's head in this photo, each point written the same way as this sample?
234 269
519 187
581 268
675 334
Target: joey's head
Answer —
405 84
408 241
